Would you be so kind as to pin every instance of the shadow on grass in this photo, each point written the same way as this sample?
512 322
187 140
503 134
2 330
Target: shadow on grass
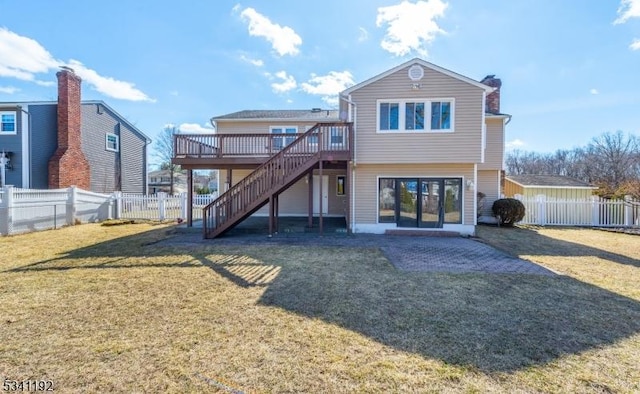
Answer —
521 241
493 323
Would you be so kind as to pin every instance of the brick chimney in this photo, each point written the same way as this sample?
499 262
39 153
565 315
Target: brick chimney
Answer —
68 166
493 99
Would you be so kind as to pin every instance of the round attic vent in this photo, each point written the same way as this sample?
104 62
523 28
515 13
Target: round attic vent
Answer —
416 72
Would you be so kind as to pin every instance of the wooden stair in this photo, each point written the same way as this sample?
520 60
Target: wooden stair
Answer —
325 141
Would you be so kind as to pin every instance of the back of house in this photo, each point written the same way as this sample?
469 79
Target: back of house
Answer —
408 149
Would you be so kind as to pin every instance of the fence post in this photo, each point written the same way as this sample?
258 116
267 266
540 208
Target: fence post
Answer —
183 205
117 196
595 211
7 202
541 201
161 204
628 211
71 205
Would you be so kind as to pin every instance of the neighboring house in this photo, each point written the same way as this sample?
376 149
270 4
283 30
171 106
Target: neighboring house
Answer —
69 142
407 149
551 186
160 181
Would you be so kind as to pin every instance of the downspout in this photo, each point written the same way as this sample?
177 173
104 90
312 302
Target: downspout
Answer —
353 117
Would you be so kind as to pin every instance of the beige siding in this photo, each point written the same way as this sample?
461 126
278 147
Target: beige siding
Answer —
489 184
463 145
494 152
511 188
563 193
366 206
295 200
259 127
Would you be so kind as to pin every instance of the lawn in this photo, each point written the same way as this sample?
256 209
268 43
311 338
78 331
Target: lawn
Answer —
123 308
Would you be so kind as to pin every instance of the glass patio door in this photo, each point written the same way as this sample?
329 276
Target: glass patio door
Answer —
407 203
431 203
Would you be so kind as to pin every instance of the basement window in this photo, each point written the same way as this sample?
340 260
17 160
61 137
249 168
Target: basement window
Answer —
112 142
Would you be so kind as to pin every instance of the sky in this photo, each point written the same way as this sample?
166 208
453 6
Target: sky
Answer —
570 70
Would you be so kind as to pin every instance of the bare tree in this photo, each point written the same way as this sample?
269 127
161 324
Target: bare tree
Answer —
611 161
164 151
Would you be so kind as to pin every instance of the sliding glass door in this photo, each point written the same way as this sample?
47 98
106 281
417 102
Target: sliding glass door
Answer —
420 202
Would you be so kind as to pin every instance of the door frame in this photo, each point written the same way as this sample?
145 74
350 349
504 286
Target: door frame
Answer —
419 201
325 194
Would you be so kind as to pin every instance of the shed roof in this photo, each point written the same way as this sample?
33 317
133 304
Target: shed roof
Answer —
549 181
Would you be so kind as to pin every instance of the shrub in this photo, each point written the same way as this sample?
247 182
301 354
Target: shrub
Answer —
508 211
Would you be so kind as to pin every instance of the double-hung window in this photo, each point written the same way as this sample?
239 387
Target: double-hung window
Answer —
440 115
8 123
416 115
389 114
112 142
281 142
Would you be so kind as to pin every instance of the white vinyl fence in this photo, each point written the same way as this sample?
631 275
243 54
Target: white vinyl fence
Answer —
159 206
25 210
594 211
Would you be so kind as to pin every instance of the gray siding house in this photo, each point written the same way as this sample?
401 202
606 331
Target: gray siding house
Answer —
115 150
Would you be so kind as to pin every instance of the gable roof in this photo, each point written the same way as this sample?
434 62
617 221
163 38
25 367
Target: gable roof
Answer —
553 181
315 114
83 102
423 63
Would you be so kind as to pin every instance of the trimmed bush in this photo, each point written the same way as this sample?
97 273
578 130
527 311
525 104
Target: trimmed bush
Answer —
509 211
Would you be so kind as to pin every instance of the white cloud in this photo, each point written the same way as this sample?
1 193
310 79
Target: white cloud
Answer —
594 91
328 86
23 58
283 39
628 9
635 45
107 85
410 26
514 144
8 89
255 62
364 34
288 82
195 128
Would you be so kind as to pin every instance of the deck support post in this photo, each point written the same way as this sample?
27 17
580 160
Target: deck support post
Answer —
347 192
310 183
271 215
190 198
321 202
276 200
229 178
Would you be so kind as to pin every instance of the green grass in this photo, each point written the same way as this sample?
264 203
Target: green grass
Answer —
98 308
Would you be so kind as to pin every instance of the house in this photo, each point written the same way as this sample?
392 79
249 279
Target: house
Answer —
160 181
408 149
551 186
72 142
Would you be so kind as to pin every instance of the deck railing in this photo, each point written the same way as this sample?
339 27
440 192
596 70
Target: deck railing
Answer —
276 174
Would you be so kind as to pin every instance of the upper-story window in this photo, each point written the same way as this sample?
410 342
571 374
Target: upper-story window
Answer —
414 115
112 142
8 123
281 142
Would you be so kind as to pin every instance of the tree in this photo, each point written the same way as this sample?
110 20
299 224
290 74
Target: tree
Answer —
164 151
611 161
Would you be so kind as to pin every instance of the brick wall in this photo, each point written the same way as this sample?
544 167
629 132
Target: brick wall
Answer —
68 165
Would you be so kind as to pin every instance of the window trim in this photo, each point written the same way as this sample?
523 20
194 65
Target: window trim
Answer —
283 135
117 142
402 112
340 178
15 123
